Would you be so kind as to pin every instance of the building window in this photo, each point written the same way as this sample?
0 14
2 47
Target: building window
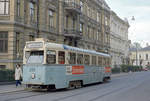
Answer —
3 42
18 7
67 21
2 66
17 42
73 23
51 18
140 56
97 35
32 11
93 35
81 5
31 38
146 56
4 7
97 17
81 27
88 31
88 11
106 21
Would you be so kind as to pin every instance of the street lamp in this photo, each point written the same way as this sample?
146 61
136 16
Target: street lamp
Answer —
136 54
132 18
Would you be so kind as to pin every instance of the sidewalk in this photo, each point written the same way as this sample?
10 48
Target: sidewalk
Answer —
10 88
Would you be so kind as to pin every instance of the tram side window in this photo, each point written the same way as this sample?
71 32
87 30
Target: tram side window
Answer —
61 57
51 57
108 61
93 60
104 61
100 61
79 58
86 59
72 59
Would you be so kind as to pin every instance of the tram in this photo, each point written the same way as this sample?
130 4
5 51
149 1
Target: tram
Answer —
49 65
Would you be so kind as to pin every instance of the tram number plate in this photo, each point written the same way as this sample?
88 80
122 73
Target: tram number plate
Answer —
74 70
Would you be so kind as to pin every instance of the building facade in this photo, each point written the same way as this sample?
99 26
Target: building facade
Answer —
79 23
119 42
140 57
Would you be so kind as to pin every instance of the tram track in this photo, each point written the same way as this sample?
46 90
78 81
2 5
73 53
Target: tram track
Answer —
10 92
96 88
23 94
89 91
106 92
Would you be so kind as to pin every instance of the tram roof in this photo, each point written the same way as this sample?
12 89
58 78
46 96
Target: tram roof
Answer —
66 47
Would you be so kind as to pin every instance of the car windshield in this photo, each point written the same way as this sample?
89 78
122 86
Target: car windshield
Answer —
35 57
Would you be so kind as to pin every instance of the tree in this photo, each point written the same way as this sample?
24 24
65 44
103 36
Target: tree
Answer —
137 45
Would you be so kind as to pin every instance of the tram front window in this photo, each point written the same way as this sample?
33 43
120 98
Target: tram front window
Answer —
34 57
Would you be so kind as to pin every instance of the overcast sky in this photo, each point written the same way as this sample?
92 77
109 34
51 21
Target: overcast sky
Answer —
140 28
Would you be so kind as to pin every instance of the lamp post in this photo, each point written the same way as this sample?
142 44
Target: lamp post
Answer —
132 18
136 54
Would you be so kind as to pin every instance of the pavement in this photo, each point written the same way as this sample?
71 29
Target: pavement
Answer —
8 87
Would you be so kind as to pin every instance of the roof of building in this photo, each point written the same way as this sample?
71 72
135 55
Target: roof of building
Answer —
142 49
132 49
145 49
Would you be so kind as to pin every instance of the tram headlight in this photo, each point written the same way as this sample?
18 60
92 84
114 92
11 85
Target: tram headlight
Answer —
33 76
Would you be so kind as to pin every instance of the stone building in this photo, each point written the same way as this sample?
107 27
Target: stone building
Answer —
119 41
140 57
79 23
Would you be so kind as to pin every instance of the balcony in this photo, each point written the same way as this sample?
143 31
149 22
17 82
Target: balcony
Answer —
73 33
72 7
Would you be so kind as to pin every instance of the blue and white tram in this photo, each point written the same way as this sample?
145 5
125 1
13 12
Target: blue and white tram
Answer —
50 65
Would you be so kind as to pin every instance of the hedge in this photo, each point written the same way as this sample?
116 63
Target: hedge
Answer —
126 68
6 75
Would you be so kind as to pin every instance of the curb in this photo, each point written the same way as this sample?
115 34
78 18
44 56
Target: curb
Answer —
11 91
118 75
7 83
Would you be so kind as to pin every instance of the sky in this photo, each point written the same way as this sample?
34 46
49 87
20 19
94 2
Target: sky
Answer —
139 30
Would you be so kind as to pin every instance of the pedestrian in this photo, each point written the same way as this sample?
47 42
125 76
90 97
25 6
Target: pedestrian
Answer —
18 74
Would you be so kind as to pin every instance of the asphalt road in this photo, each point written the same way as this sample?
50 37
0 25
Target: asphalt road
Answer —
132 87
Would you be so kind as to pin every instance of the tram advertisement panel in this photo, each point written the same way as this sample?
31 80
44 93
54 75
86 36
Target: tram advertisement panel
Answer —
74 70
107 69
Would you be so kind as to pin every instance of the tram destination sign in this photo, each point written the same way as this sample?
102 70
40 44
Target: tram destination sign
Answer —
34 45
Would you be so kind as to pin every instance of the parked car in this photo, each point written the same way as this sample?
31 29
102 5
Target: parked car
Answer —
145 69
